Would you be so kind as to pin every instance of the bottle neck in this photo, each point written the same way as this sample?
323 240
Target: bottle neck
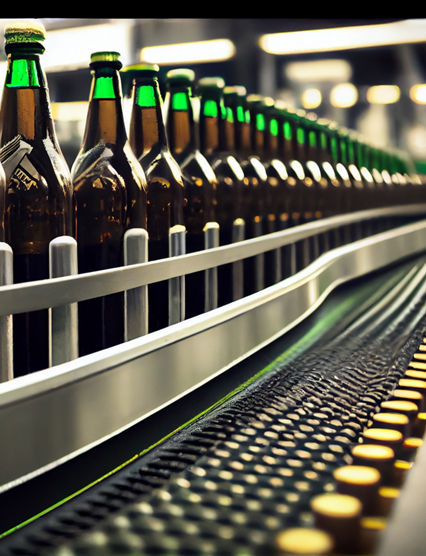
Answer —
105 120
271 137
257 132
241 125
25 107
147 132
180 123
300 143
323 150
287 141
227 130
210 116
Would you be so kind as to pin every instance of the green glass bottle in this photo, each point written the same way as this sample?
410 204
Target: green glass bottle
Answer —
216 143
165 188
39 190
200 181
110 197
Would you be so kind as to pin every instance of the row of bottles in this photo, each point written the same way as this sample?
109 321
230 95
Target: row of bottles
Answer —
206 153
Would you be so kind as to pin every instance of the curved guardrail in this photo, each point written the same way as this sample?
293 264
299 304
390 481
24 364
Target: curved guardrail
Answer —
55 414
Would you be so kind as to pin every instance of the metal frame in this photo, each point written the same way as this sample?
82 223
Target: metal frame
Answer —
52 415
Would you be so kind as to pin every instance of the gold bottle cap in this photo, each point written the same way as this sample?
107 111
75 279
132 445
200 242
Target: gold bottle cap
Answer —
413 384
389 492
418 365
388 437
413 443
304 541
416 374
335 505
373 452
357 475
374 523
411 395
400 406
391 420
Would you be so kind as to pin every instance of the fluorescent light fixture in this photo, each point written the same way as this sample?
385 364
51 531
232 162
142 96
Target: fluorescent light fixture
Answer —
418 93
344 38
189 52
343 95
311 98
68 49
319 70
383 94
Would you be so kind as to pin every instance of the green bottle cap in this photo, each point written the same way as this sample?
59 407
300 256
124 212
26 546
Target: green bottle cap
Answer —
24 32
143 68
235 90
211 83
104 56
180 76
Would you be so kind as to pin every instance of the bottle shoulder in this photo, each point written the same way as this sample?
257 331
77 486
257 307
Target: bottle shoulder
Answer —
35 162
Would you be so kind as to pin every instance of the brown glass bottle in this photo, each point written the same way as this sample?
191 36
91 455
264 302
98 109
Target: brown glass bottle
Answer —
216 143
165 189
200 182
238 123
264 140
39 190
110 197
282 179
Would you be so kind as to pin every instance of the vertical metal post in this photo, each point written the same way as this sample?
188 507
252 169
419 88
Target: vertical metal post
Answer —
6 321
63 320
238 234
211 240
177 246
136 299
259 269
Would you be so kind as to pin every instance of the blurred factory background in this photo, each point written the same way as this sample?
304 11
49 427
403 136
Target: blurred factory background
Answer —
366 74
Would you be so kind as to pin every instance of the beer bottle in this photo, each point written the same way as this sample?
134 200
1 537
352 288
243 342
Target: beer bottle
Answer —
199 179
343 147
215 142
240 123
336 193
39 191
110 197
310 181
275 211
369 186
295 184
165 188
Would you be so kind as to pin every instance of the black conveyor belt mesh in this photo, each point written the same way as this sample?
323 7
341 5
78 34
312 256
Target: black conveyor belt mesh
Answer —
230 481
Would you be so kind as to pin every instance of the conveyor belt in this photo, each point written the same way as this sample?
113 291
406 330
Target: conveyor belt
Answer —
229 481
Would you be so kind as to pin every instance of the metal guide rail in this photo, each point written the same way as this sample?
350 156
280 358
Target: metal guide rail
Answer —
280 452
60 412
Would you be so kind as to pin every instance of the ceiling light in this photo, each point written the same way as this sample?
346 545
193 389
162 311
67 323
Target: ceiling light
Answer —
343 38
319 70
344 95
311 98
418 93
383 94
190 52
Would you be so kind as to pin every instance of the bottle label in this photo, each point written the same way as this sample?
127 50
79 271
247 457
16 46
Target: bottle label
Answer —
20 172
